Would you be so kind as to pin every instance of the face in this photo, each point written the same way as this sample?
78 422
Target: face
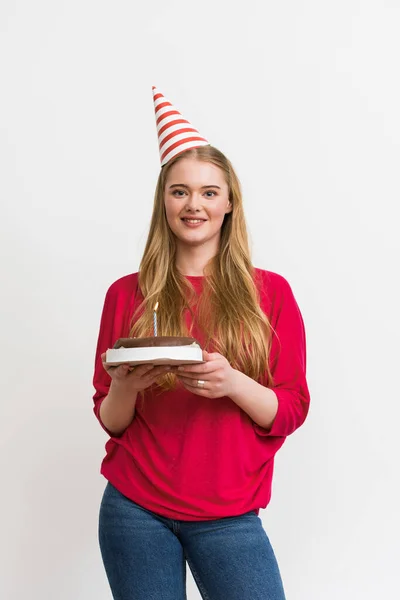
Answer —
196 198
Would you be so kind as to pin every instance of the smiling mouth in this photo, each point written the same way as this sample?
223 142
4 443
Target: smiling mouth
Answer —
193 220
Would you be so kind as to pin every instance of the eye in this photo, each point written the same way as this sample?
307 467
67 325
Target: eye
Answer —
178 193
212 194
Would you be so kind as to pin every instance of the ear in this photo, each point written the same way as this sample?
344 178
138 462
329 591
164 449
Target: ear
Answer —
229 208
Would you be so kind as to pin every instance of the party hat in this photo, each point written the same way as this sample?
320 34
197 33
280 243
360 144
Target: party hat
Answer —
175 134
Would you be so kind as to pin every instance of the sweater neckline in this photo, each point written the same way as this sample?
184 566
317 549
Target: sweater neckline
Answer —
194 277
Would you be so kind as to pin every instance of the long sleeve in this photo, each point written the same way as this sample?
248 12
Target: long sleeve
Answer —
114 324
288 363
101 379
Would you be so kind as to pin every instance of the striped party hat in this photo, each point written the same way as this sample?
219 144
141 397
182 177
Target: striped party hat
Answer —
175 134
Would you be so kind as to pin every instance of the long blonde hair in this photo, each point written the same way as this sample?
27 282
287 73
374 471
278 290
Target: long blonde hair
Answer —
228 310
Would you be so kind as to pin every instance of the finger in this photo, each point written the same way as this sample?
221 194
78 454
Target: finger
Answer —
110 369
127 370
121 370
188 380
155 372
151 379
191 382
159 370
211 355
198 369
192 386
162 368
204 374
192 377
141 370
199 391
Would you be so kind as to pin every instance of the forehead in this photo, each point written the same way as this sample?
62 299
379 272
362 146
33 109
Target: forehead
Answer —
195 173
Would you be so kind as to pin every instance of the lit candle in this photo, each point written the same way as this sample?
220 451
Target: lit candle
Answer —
155 320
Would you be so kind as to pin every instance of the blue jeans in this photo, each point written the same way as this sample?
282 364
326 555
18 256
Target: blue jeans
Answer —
145 554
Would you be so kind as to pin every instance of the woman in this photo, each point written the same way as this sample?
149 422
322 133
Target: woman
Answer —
189 466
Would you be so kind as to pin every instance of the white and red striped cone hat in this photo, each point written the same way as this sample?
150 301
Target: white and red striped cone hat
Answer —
175 134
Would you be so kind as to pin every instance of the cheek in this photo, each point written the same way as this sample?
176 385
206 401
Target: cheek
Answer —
171 213
171 207
170 219
218 213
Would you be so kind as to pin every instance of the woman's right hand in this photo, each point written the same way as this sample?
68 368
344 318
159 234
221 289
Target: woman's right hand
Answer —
135 378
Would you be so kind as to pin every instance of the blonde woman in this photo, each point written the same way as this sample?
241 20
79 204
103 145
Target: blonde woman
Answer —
191 451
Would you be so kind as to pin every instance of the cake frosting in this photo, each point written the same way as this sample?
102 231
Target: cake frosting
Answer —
157 341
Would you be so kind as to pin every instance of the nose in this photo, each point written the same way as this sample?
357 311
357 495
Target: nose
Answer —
193 202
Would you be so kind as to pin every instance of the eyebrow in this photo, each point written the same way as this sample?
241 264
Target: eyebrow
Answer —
186 186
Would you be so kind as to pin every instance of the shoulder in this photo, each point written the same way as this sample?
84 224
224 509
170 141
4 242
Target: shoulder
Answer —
125 285
271 282
121 292
118 303
275 292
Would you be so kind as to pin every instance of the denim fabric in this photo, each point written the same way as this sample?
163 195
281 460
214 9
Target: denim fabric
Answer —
145 554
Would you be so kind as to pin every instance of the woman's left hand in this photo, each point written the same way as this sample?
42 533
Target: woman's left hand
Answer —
216 373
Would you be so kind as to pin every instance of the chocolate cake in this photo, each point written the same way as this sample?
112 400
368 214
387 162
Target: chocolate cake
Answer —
158 350
147 342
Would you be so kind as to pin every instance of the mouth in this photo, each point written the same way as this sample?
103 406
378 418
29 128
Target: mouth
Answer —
188 220
193 222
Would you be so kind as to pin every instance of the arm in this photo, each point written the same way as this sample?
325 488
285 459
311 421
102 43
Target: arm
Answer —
281 409
114 407
259 402
117 387
117 409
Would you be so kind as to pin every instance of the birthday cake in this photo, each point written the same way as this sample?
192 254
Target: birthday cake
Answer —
157 350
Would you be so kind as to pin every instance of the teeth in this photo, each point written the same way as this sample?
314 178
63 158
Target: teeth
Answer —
193 220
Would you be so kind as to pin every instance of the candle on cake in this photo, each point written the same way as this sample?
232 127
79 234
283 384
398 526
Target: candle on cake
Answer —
155 320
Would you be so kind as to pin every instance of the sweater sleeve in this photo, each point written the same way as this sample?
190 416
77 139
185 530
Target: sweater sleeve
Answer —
101 379
288 364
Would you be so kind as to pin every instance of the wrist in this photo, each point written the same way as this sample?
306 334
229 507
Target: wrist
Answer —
236 380
122 389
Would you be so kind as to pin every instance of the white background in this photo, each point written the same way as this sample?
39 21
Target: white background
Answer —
303 96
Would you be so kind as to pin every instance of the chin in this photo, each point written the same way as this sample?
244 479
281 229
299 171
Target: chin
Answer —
192 242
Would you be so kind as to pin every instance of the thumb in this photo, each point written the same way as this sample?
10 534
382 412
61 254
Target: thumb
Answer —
210 355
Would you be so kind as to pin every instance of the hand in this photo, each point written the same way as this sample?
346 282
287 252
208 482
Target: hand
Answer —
136 378
216 372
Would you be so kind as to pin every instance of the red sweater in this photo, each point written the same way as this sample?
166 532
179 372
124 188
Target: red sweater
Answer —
193 458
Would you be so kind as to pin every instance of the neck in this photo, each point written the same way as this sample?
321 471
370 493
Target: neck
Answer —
192 261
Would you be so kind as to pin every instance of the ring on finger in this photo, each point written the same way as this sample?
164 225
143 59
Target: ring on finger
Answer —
200 383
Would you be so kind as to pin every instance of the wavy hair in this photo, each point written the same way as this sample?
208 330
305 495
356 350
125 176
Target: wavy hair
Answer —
228 310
